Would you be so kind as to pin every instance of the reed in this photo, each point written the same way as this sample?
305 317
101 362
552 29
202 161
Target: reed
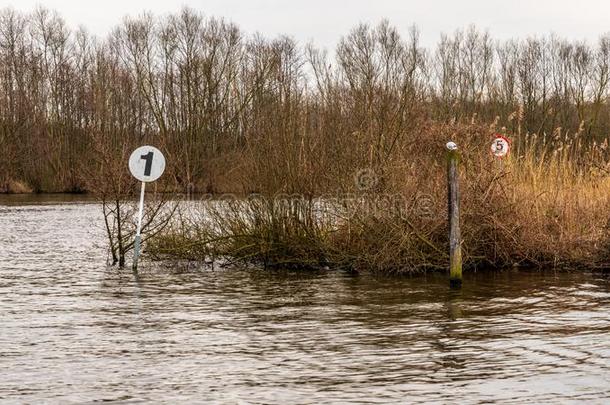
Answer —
547 206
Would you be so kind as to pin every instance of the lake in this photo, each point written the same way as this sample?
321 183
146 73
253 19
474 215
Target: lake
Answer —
76 331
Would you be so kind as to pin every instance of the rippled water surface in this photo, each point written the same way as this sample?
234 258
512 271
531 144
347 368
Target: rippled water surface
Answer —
74 331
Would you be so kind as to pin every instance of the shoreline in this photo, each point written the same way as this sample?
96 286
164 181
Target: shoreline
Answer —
311 255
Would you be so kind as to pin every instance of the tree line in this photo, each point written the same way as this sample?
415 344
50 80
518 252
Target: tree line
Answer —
213 97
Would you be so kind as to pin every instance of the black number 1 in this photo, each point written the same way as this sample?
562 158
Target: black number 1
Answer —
148 157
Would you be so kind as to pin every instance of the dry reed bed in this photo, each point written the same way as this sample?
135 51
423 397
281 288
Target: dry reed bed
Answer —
546 206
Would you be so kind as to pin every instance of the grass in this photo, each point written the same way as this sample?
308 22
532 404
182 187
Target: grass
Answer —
546 205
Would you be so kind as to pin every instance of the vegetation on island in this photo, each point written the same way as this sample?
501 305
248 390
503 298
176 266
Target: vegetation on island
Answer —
321 160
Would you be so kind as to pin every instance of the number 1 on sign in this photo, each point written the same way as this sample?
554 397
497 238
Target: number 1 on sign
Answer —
149 159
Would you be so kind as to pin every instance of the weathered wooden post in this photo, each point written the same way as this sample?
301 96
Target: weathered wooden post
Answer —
453 200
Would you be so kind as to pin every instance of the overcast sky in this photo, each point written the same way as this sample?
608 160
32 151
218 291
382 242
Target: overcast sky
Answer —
325 21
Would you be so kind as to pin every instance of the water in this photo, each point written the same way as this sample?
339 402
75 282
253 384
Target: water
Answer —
74 331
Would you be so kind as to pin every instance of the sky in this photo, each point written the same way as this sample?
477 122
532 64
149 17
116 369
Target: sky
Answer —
324 22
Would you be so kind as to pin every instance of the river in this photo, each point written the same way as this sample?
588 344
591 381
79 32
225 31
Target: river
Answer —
75 331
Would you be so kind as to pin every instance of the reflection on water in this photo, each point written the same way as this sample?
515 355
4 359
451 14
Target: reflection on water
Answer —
75 331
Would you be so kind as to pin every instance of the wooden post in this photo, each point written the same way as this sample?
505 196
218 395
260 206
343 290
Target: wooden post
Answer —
453 200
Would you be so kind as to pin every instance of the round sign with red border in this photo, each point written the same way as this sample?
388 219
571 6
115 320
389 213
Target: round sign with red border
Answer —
500 146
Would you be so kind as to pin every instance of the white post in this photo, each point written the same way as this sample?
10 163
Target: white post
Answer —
501 164
138 241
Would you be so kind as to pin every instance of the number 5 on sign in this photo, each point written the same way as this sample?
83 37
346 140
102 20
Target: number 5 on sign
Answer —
500 146
146 164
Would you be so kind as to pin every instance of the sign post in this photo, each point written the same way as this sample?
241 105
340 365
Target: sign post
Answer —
146 164
500 148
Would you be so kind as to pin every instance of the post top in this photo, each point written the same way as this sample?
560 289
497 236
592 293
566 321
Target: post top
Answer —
451 145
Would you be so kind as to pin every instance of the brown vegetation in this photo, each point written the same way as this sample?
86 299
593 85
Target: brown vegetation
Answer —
205 92
244 114
544 207
106 178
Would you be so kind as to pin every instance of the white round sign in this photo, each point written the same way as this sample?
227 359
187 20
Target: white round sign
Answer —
147 163
500 146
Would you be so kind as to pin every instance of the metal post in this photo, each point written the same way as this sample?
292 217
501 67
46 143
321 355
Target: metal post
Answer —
138 241
453 200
